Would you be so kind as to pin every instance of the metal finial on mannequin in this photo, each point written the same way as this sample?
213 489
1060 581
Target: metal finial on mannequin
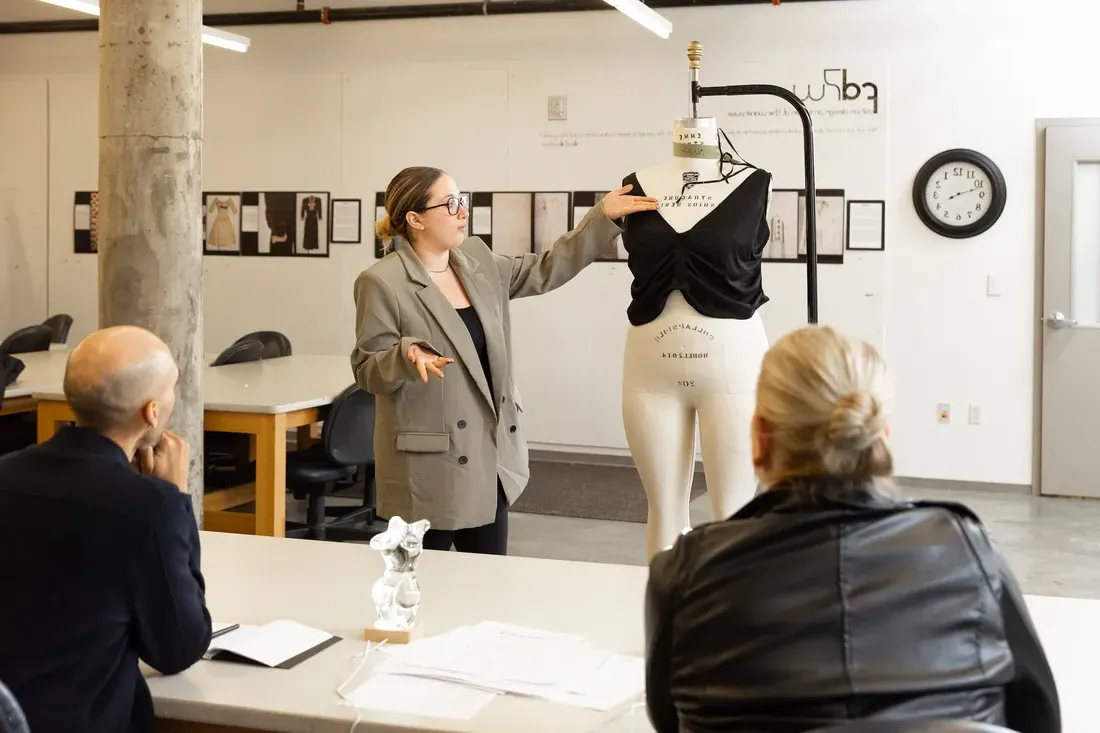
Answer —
695 58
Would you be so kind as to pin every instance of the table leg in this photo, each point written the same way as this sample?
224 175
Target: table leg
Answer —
271 476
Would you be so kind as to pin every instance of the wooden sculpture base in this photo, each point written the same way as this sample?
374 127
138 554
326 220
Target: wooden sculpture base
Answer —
400 636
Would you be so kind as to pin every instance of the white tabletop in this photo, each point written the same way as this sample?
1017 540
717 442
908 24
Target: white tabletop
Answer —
42 370
271 386
253 580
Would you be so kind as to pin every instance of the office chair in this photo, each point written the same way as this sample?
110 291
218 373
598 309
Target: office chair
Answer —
346 451
912 726
12 719
241 352
59 325
26 340
275 343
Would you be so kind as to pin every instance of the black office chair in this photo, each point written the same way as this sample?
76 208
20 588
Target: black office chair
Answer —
346 451
59 325
912 726
241 352
275 343
12 719
26 340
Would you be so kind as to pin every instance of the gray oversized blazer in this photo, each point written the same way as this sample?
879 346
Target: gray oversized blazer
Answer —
440 446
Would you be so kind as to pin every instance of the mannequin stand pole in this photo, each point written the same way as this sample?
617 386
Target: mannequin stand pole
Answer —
745 90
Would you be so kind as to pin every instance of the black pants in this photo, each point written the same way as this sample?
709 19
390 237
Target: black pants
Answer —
489 539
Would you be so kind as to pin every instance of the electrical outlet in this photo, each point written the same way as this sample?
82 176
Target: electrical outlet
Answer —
943 413
556 108
975 415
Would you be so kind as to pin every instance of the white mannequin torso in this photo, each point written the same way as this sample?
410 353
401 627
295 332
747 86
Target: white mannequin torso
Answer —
683 210
682 368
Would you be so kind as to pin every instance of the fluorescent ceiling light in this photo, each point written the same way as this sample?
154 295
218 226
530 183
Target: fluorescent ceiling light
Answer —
644 15
211 36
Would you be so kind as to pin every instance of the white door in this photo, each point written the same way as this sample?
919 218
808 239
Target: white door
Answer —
1069 456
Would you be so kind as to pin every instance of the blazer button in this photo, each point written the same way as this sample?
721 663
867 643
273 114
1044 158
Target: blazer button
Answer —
512 429
461 424
462 460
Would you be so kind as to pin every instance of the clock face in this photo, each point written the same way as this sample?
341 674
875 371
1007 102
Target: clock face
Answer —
959 194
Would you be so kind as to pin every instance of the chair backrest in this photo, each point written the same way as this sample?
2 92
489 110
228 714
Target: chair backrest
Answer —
348 431
26 340
275 343
240 352
59 325
12 719
912 726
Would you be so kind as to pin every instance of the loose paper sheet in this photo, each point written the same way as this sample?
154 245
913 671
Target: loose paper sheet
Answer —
420 696
250 218
865 223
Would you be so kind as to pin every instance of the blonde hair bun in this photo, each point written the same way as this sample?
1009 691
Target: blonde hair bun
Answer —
855 422
384 228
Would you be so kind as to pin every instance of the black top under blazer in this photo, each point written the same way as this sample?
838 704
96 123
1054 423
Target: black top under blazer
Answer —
99 566
821 603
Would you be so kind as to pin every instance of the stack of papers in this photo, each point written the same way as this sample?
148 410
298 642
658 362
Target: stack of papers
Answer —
498 658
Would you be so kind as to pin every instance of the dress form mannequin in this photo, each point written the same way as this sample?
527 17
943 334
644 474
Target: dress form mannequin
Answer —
702 254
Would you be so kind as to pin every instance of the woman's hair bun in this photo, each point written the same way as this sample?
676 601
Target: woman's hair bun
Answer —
855 422
384 227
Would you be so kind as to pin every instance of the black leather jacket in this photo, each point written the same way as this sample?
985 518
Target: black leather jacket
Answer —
823 602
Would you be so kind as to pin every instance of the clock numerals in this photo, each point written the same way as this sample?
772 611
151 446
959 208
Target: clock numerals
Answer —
959 193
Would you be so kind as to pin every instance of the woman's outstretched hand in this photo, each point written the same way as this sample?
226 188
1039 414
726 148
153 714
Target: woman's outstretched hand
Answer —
618 204
426 361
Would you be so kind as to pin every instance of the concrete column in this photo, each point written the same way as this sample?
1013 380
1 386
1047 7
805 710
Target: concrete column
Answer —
150 208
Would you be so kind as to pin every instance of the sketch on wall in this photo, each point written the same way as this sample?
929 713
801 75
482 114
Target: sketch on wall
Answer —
513 224
278 218
551 219
830 225
783 218
222 223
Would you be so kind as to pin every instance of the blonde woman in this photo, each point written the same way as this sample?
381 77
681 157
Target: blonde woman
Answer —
827 598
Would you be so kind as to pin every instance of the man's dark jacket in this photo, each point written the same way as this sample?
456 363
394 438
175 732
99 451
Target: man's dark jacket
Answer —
99 566
823 602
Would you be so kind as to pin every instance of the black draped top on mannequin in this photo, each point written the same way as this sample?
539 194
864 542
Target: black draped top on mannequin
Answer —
715 265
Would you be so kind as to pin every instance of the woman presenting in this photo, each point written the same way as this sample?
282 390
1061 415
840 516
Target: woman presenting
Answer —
449 448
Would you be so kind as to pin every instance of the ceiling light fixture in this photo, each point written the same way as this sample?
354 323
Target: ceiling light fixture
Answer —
211 36
643 15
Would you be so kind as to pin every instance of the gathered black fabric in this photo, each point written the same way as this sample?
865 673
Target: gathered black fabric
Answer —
715 264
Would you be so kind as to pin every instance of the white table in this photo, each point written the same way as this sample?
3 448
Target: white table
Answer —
253 580
42 370
261 399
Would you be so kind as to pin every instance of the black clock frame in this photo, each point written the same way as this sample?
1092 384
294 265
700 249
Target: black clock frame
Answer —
998 196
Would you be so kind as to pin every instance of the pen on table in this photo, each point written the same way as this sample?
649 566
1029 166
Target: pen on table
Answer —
226 630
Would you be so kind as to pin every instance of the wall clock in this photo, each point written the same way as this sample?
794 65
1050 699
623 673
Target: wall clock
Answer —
959 193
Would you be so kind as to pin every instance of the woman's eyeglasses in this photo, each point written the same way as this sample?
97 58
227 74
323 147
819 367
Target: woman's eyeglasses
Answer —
453 203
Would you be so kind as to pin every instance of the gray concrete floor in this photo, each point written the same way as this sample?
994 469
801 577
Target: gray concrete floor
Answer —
1053 545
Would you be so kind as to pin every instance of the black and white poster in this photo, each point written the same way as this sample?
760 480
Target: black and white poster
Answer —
512 223
86 222
278 218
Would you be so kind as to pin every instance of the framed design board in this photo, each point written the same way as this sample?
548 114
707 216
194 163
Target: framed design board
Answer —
345 221
866 225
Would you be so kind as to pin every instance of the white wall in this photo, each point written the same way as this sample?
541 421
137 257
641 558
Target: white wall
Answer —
336 108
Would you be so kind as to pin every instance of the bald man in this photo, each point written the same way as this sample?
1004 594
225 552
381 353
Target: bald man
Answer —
100 559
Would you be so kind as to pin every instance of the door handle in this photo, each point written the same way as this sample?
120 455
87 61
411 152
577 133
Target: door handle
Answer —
1058 320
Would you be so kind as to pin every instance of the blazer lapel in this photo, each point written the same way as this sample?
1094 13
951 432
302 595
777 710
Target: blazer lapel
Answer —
487 308
445 315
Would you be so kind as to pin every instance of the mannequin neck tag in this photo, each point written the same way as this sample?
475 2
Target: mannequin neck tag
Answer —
690 177
691 150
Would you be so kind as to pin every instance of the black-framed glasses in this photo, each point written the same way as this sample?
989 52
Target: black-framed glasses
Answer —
453 203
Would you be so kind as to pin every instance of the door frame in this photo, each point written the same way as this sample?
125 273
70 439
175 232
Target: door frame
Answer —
1041 126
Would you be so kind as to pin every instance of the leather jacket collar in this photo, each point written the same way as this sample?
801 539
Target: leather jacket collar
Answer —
820 494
